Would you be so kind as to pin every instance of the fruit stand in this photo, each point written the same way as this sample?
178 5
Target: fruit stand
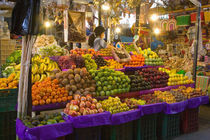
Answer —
120 93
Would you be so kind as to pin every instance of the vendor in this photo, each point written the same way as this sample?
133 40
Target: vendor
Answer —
96 39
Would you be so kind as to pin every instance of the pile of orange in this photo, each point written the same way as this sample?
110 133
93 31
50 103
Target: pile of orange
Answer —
48 92
84 51
107 52
136 61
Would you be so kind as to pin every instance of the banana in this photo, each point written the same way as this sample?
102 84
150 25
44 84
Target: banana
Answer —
17 67
32 78
37 78
17 75
45 67
49 67
43 76
48 74
47 60
41 69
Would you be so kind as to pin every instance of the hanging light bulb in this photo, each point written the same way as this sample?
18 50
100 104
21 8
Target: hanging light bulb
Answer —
154 17
47 24
157 31
105 6
117 30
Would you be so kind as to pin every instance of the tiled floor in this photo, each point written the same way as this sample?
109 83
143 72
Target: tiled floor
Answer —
204 126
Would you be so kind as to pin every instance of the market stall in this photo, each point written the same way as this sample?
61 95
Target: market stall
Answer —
118 93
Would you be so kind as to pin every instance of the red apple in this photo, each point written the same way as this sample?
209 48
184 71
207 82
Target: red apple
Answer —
74 102
91 112
82 104
89 98
94 101
95 111
93 106
83 99
77 97
100 110
88 104
98 105
81 110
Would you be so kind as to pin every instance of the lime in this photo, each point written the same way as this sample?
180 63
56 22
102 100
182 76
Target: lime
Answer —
105 88
98 83
97 78
99 88
108 93
102 93
109 87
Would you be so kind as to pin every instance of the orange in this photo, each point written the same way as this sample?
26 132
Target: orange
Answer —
42 102
34 103
45 97
54 100
69 97
64 99
38 97
48 101
59 100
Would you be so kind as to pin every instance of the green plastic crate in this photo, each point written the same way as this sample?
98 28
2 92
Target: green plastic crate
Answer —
8 99
7 125
145 128
170 126
118 132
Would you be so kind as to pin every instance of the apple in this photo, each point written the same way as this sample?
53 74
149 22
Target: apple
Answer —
71 107
93 106
94 101
100 110
91 112
82 104
74 113
89 98
81 110
76 108
95 111
77 97
98 105
83 99
88 104
74 102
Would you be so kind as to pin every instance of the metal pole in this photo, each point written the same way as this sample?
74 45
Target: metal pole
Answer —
197 44
99 13
137 18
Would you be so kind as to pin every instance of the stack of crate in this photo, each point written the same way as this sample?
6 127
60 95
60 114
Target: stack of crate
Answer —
7 46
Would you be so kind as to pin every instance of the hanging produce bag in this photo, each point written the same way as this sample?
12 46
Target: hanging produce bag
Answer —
25 17
77 30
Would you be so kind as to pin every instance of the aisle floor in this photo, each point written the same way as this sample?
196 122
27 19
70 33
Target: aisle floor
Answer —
204 126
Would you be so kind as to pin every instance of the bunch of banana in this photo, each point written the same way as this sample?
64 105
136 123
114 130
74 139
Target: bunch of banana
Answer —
42 68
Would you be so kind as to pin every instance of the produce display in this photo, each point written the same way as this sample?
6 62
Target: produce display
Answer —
106 51
138 83
100 61
156 78
190 92
150 99
10 82
43 119
120 53
134 103
80 51
110 82
51 50
48 91
176 79
129 47
136 61
71 61
114 105
83 105
89 62
76 81
44 40
12 64
170 96
42 68
151 58
112 64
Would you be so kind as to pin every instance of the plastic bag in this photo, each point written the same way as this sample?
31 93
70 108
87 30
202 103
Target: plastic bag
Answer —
25 17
